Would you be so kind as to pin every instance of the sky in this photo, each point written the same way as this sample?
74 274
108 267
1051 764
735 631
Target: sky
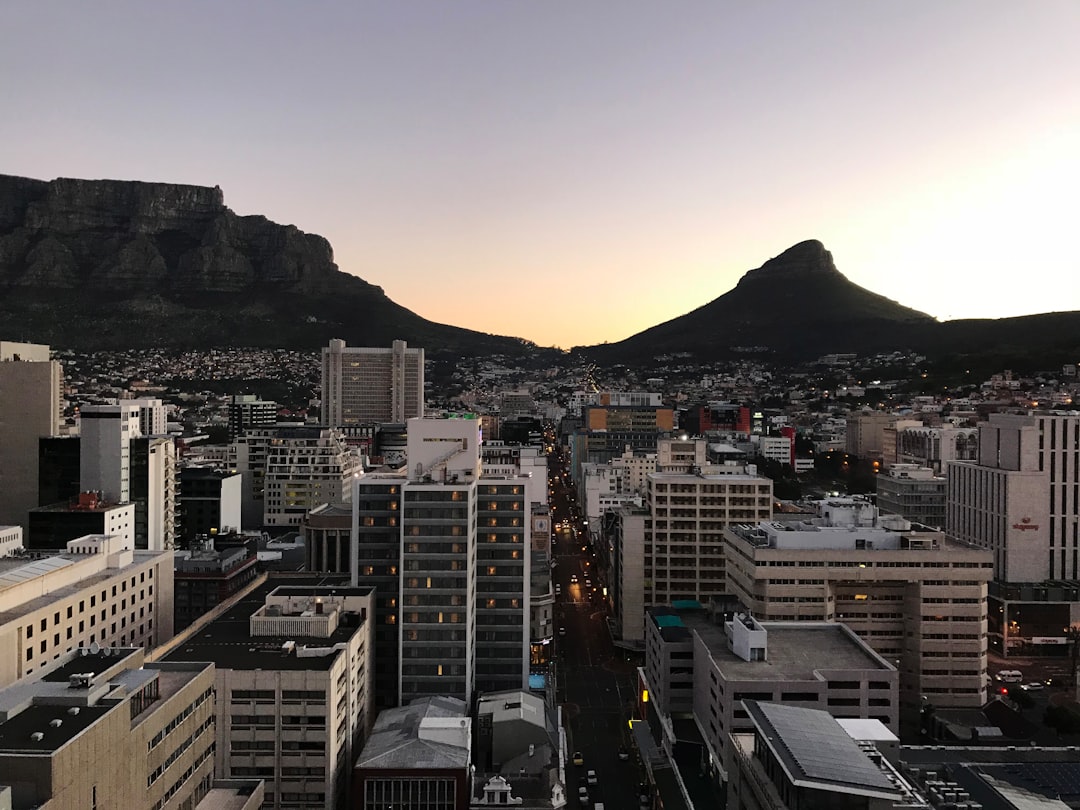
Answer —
575 172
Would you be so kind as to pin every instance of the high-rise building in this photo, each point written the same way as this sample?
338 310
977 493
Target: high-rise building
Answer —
54 525
154 492
209 503
1021 501
449 552
306 467
362 385
31 406
153 416
97 590
916 597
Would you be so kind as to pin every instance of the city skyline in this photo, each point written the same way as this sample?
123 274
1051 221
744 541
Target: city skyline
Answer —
574 175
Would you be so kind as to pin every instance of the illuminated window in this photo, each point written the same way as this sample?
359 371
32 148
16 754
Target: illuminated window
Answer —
440 669
490 603
369 521
440 617
428 582
491 570
861 597
493 506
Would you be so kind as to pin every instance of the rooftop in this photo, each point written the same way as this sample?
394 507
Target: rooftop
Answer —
816 752
227 640
395 741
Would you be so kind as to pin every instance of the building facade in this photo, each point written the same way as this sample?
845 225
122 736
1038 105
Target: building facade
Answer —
362 385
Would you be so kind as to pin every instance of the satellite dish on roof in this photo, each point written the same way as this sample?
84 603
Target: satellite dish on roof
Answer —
83 651
94 648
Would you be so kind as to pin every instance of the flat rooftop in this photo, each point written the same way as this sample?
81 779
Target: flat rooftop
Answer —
227 640
15 733
796 650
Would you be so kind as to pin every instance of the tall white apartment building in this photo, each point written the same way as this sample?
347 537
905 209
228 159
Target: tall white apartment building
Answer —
31 406
306 467
153 416
637 468
98 591
105 434
916 597
362 385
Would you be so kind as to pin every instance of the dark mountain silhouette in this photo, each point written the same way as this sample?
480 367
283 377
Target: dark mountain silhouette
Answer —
99 264
798 306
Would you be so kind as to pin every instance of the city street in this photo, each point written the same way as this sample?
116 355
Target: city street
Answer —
595 683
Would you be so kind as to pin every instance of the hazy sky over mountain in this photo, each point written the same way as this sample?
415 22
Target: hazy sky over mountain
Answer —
574 172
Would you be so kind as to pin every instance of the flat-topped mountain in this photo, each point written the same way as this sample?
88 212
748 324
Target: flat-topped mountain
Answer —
798 306
115 264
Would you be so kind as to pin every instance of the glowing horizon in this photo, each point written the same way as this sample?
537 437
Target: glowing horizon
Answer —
576 174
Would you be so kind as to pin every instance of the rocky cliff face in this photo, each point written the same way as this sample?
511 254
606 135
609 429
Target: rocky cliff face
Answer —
109 263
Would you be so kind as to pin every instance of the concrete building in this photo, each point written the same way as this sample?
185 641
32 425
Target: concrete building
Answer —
207 577
865 434
1020 501
153 416
695 667
516 754
418 755
916 597
53 526
59 460
210 502
445 546
10 540
31 406
306 467
636 467
292 681
105 433
631 525
247 411
97 591
914 493
327 533
361 385
101 728
154 491
684 557
935 447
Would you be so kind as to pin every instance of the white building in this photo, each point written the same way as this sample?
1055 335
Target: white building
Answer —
105 434
100 590
153 416
10 540
306 467
364 385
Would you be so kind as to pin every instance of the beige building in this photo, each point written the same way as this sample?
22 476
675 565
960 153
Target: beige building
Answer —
684 557
98 591
363 385
865 433
307 467
99 728
293 685
916 597
10 540
696 667
31 406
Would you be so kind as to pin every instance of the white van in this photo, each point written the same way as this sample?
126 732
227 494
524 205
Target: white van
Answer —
1011 676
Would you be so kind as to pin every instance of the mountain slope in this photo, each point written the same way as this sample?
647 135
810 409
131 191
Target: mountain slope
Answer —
795 305
114 264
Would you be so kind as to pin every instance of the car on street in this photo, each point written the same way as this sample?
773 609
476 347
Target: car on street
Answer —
1034 686
583 797
578 759
592 777
623 753
562 632
573 578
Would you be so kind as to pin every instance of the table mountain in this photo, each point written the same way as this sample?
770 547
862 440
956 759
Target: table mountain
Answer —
116 264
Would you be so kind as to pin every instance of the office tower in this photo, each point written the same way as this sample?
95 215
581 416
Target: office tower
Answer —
31 406
292 685
913 492
247 455
209 502
306 467
96 590
371 385
917 597
104 728
54 525
449 552
248 411
1021 501
105 433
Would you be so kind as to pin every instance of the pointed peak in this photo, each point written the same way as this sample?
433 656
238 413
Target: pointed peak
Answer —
798 261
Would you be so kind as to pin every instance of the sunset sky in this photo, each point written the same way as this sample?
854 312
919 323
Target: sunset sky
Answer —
575 172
